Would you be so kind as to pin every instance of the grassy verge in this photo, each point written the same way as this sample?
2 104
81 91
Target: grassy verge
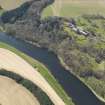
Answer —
43 71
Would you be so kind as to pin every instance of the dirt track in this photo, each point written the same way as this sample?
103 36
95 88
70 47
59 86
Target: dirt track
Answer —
12 93
14 63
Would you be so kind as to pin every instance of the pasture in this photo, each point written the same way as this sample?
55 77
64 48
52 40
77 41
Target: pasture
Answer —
73 8
68 8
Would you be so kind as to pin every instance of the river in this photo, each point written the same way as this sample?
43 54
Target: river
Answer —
80 94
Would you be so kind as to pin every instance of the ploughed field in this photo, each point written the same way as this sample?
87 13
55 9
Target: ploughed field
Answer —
12 93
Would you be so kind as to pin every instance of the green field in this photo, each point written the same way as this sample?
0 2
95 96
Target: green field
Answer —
68 8
43 71
1 11
11 4
72 8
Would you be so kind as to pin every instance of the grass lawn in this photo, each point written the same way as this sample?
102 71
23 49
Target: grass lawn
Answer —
43 71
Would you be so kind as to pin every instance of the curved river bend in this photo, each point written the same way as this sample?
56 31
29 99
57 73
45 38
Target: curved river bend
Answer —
80 94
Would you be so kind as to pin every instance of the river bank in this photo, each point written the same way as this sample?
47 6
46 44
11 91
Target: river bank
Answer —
67 68
82 80
44 72
75 89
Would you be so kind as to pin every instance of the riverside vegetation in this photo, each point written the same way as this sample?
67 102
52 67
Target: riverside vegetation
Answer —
83 53
29 85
